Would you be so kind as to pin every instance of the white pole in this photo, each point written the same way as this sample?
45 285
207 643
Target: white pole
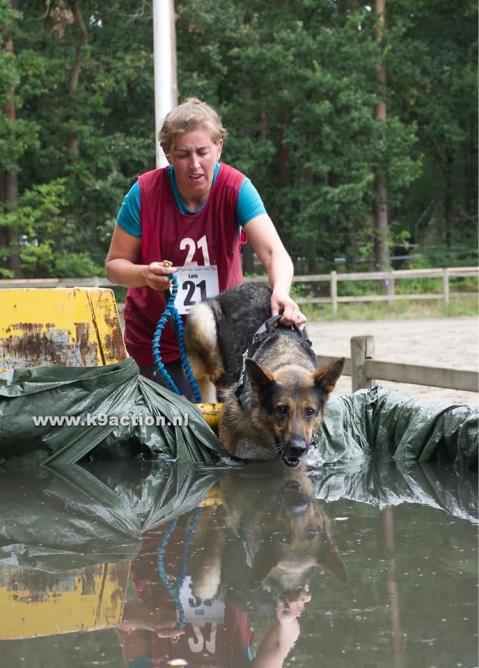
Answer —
163 65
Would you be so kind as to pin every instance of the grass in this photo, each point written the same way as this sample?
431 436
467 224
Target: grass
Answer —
401 310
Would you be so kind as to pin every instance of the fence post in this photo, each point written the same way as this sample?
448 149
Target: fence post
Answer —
390 288
445 286
362 349
334 292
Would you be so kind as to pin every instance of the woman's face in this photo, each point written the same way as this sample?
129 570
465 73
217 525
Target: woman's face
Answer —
194 156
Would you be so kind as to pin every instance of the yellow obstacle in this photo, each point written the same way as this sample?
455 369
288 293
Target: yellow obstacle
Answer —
68 326
86 599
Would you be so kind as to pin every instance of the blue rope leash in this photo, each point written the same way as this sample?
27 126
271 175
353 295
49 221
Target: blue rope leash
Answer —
171 312
173 590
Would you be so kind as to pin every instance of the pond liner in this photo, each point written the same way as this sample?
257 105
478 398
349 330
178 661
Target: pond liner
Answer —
112 412
108 412
383 421
67 517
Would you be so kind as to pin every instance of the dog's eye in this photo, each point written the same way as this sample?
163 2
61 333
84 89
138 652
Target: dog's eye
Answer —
282 410
309 411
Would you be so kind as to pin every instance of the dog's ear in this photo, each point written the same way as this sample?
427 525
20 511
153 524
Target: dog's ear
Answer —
260 377
328 376
329 560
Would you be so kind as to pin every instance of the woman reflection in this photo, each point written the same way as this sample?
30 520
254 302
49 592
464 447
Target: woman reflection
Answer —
166 622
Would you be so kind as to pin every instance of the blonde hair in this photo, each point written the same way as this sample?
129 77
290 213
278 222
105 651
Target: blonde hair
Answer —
189 116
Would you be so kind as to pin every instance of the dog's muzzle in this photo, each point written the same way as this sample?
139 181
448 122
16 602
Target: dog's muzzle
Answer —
293 453
293 499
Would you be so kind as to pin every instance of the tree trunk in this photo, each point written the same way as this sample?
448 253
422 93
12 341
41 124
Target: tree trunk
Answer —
248 259
470 170
448 197
381 222
10 178
74 144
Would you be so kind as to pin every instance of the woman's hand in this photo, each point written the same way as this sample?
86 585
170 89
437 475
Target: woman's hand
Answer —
157 275
282 303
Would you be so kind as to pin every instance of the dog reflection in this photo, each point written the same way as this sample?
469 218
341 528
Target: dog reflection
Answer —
272 534
243 561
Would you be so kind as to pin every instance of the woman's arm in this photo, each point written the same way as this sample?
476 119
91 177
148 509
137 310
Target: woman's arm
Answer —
265 241
121 267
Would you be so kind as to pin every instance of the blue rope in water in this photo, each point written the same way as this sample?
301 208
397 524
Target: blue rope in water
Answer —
171 312
173 590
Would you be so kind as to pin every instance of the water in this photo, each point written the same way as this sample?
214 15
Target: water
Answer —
132 564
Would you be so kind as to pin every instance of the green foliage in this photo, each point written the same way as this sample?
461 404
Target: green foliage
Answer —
75 264
432 76
360 288
37 260
404 310
296 83
40 213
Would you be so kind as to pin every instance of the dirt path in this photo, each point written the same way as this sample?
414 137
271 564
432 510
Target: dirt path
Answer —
442 342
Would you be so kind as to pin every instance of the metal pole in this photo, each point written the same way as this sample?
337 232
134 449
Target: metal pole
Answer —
334 292
164 66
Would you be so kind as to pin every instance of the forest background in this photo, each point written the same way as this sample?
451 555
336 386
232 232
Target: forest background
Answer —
358 127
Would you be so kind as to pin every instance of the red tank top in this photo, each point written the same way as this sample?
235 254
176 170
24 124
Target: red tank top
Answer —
167 234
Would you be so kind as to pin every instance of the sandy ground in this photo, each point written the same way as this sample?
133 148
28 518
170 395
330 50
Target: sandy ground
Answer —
441 342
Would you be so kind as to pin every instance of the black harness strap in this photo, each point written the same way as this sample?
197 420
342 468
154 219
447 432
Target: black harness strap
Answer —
267 331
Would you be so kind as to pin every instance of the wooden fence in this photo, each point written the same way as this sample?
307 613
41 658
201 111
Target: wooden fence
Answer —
389 280
363 368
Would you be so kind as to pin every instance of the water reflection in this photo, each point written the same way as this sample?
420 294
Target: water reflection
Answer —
133 564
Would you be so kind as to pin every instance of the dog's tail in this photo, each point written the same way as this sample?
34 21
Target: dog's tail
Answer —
202 344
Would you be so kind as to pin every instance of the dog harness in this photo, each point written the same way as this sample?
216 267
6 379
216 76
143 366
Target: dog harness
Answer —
263 335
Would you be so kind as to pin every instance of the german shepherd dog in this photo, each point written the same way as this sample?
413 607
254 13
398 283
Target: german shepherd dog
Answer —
273 391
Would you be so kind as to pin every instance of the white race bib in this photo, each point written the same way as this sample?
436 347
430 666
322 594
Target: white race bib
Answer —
195 284
197 610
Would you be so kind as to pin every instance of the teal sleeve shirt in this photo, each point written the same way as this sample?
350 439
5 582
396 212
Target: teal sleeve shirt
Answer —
249 204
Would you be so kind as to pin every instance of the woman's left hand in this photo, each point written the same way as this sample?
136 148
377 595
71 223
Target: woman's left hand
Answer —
282 303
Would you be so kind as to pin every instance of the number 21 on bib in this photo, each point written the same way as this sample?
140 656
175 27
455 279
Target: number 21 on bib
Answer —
195 284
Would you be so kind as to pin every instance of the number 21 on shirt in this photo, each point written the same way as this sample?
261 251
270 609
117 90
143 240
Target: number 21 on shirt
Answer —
191 245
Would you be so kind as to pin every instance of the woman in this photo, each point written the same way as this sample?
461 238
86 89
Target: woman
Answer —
193 212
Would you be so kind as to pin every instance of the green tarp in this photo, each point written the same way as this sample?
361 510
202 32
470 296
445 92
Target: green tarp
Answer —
67 517
370 421
101 398
383 421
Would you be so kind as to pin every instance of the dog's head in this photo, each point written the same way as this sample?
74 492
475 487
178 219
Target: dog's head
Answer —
290 403
270 534
295 543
